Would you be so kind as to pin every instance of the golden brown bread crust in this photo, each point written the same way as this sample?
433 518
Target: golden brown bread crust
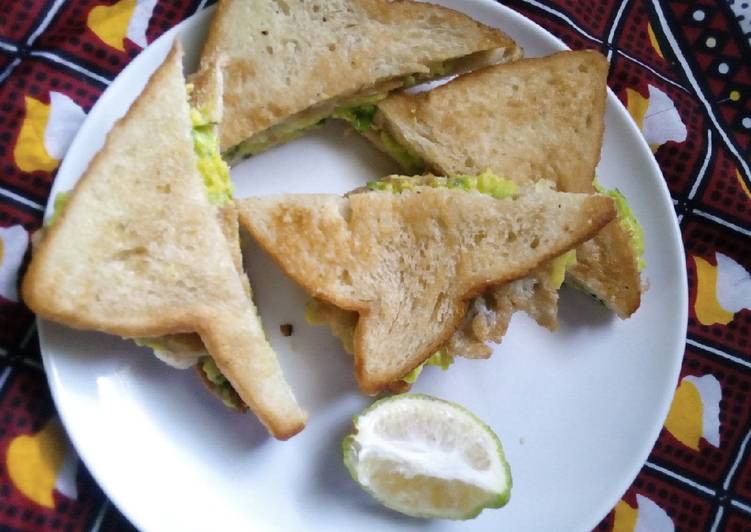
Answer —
417 257
281 58
138 252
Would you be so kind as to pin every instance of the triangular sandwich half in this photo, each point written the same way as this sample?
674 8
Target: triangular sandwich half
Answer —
489 314
525 121
139 250
409 263
290 64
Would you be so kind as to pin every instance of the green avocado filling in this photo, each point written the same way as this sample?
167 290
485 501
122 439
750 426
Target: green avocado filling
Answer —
439 358
58 206
411 163
214 170
485 183
342 322
219 384
216 179
150 343
628 221
558 267
360 117
355 112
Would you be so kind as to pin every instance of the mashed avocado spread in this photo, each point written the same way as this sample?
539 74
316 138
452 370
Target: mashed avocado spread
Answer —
151 343
628 221
558 267
358 111
219 384
219 190
485 183
439 358
409 162
262 141
361 117
214 170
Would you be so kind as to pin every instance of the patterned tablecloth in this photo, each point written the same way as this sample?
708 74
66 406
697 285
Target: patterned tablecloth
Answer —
683 70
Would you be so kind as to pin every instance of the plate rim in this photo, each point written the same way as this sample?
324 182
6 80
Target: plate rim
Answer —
56 386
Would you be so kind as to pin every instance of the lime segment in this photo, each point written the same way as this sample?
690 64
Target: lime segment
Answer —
426 457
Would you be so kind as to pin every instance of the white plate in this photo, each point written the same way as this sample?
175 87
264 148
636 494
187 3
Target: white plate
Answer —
578 411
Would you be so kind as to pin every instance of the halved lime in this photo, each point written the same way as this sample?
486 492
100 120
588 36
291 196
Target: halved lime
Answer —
427 457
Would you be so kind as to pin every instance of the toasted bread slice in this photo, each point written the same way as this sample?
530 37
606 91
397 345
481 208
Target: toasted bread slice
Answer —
408 263
185 350
531 119
138 252
288 65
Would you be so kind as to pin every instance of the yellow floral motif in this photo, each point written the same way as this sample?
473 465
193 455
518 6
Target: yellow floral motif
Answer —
646 517
684 419
721 290
625 517
30 152
35 463
637 106
124 19
707 308
110 23
695 411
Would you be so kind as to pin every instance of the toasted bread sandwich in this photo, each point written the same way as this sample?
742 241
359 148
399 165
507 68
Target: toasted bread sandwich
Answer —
409 262
489 314
289 65
145 249
528 120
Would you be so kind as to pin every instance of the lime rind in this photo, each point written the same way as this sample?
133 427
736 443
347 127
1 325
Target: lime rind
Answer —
348 452
350 449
